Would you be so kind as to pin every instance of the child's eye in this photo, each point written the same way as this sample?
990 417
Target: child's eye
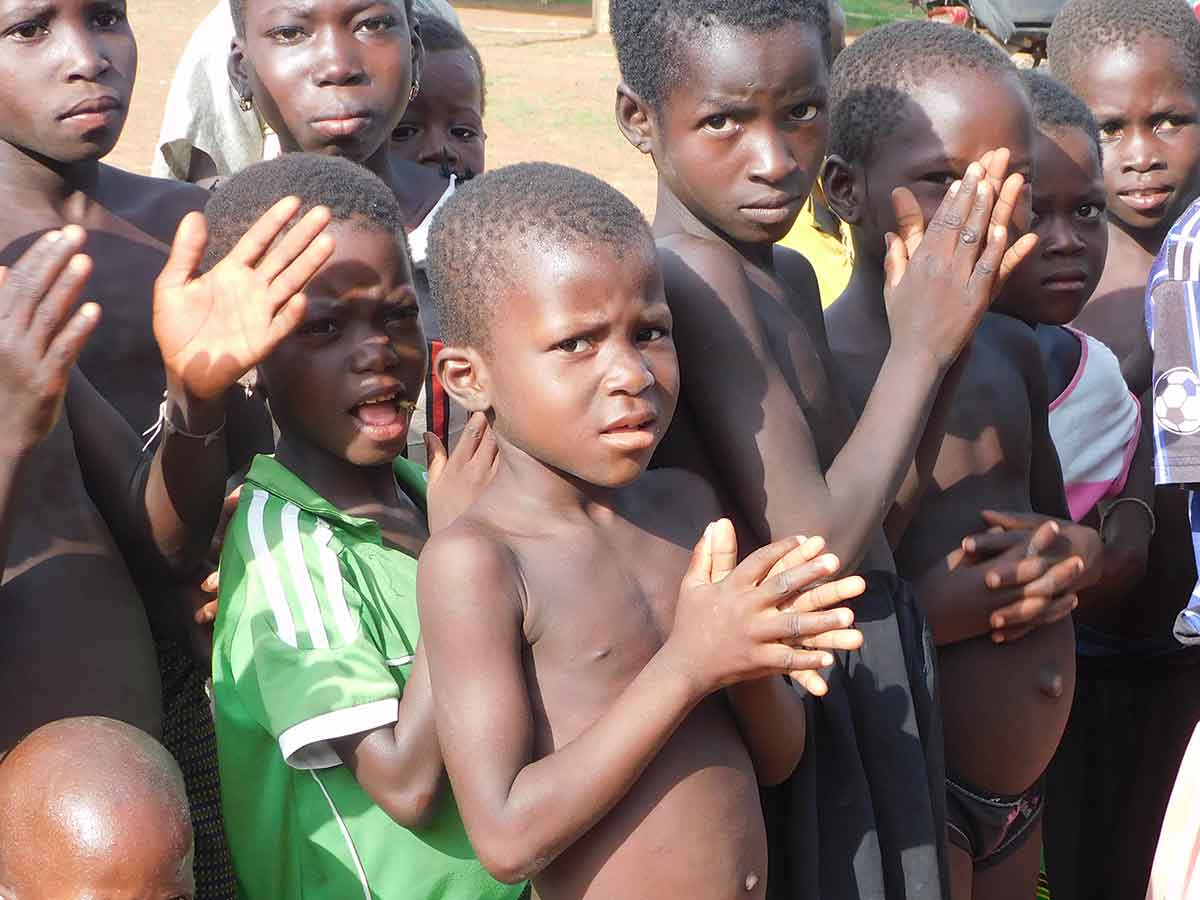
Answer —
28 31
285 34
574 345
403 132
1110 131
1171 123
945 179
718 122
646 335
805 112
463 133
378 25
108 18
1090 211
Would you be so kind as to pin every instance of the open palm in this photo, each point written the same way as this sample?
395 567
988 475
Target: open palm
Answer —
213 328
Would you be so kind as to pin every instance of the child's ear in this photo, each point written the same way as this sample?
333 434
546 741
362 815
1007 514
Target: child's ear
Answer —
463 373
238 69
634 118
843 186
418 51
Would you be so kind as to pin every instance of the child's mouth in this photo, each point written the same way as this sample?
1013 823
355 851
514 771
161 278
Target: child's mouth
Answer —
383 418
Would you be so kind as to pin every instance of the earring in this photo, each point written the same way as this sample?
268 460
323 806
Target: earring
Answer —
245 104
416 89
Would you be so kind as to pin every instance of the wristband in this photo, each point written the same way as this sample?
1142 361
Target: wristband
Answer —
1137 500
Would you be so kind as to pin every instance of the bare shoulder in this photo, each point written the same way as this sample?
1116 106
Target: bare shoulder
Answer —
466 562
691 263
155 205
798 274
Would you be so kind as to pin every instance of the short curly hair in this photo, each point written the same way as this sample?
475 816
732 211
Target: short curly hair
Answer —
874 76
237 8
528 209
1056 106
1084 26
438 35
649 34
351 193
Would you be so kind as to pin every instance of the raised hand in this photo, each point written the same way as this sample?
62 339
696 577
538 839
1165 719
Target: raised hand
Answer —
42 333
942 276
763 617
213 328
457 479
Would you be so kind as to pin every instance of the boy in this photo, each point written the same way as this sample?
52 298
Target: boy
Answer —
911 104
560 640
329 762
1137 67
93 807
735 118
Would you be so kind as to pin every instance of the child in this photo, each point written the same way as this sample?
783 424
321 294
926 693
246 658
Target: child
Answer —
443 125
578 684
93 807
736 121
1105 452
324 716
1136 67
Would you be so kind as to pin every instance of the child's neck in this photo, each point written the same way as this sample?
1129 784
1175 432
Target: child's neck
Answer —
674 218
36 181
1148 240
546 491
356 489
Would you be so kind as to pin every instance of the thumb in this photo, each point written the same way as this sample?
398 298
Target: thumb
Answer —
435 456
699 570
187 251
722 549
895 260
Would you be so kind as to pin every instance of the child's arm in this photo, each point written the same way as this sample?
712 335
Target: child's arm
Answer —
211 330
772 461
521 812
41 336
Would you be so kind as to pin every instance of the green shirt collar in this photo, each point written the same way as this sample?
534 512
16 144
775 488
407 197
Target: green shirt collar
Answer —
272 476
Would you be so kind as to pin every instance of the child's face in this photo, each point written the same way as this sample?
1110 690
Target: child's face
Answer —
443 125
66 74
330 76
1069 219
947 126
345 382
1148 116
581 371
740 139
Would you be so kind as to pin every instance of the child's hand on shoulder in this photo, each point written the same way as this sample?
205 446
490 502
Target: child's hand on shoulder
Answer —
941 276
456 480
212 328
768 616
42 333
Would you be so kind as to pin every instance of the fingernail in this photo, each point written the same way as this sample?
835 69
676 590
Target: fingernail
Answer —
828 562
51 236
974 170
826 660
998 622
993 581
997 638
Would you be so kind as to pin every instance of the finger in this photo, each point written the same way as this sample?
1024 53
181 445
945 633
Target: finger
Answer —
810 681
471 437
797 627
723 550
1015 633
1059 579
1008 195
830 594
292 245
995 167
262 234
838 639
28 280
1011 521
435 456
910 220
64 350
187 252
993 543
943 229
60 300
781 587
207 613
700 567
1014 256
895 260
212 583
785 659
754 568
1043 539
296 276
1056 609
809 549
974 238
1016 573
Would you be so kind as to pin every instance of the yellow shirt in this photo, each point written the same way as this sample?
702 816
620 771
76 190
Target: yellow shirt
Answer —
832 256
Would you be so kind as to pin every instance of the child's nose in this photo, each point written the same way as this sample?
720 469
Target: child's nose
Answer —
338 61
773 160
375 354
629 374
1141 151
86 57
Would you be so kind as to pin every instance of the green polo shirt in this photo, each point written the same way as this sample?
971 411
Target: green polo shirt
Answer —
314 640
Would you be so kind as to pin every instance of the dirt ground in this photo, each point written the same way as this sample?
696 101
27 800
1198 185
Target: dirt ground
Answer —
550 90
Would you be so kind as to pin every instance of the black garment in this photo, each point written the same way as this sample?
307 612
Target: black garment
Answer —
864 815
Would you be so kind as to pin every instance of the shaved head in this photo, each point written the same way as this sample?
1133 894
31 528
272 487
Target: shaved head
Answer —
93 806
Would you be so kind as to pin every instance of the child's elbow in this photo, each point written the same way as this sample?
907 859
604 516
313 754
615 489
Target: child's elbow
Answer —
509 859
415 807
779 771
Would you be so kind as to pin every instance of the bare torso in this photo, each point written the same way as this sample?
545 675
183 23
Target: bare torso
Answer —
76 639
600 603
1001 726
